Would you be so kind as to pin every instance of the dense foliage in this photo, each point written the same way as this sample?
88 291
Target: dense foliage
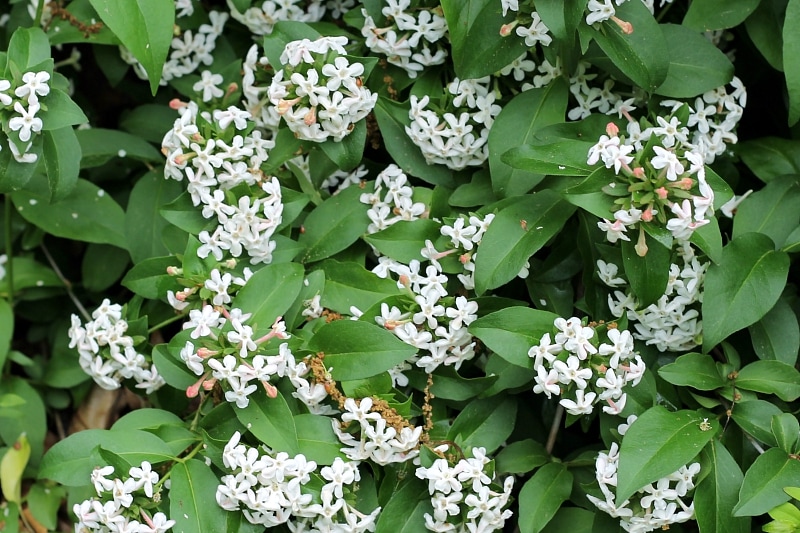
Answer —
399 265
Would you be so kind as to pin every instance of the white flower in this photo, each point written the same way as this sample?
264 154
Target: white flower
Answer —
208 86
582 405
27 122
35 85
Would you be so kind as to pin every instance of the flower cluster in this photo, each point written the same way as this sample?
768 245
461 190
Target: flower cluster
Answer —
261 19
409 37
273 488
107 354
652 507
23 121
123 505
220 156
600 10
463 496
673 322
396 204
458 135
653 182
188 50
368 434
584 374
318 91
713 119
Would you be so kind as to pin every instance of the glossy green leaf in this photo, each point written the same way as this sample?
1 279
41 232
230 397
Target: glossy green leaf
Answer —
560 158
144 278
86 214
271 421
102 266
791 49
515 126
34 419
520 457
764 27
14 175
648 275
695 370
334 225
561 17
61 111
743 287
479 21
770 157
755 417
771 377
44 502
762 488
542 495
12 466
144 225
403 240
512 331
484 422
448 384
786 430
777 335
269 293
99 145
355 350
695 64
28 48
6 330
642 55
148 122
657 444
191 495
62 159
392 119
707 15
350 284
405 511
518 231
67 461
773 211
348 152
718 492
316 439
144 27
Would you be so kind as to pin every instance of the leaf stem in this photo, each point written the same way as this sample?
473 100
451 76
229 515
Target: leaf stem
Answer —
66 282
551 438
37 21
166 322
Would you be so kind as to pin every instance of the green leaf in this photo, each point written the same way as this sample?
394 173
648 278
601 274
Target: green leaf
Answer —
62 159
348 152
270 420
786 430
515 126
695 64
28 48
44 502
145 27
6 330
695 370
574 520
764 27
148 122
718 492
102 266
561 17
743 287
642 55
405 511
316 439
484 422
67 461
191 495
707 15
791 49
269 293
392 119
770 157
647 275
542 495
657 444
449 385
771 377
182 213
520 457
143 279
144 225
517 232
12 466
86 214
754 417
61 111
34 419
777 335
100 145
357 350
762 488
334 225
14 175
403 240
773 211
560 158
512 331
350 284
472 22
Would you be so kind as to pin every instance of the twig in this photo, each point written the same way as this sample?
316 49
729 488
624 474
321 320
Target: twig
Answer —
9 252
551 439
67 284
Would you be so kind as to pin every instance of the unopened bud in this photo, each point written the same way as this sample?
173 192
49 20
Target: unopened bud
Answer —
612 130
662 193
310 118
625 26
174 271
506 29
176 103
641 244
